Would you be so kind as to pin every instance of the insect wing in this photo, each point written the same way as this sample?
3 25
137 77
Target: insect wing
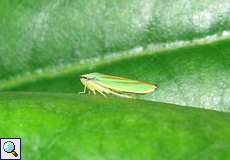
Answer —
121 84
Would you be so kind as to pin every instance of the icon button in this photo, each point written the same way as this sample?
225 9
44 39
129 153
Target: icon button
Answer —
10 149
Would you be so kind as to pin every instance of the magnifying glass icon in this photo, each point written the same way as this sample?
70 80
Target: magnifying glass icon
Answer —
9 147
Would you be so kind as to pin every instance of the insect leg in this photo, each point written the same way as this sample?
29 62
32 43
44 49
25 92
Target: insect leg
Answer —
101 93
95 87
92 90
83 91
103 90
120 95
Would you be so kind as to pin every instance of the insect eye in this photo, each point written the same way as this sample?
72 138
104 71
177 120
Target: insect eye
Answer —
87 78
83 77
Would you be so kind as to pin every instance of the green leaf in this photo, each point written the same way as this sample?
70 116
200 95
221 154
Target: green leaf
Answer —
38 34
62 126
183 46
195 76
51 48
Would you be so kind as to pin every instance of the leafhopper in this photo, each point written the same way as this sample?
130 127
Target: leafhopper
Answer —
119 86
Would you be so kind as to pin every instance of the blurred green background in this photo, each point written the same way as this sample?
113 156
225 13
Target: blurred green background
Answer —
183 46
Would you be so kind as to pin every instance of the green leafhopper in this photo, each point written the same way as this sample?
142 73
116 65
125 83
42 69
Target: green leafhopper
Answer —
119 86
